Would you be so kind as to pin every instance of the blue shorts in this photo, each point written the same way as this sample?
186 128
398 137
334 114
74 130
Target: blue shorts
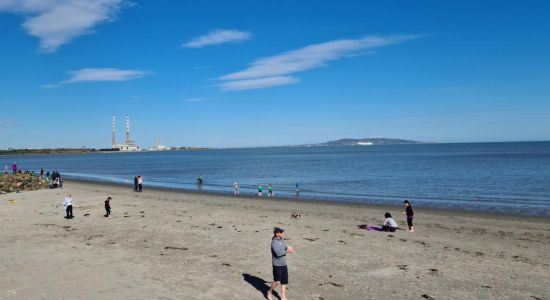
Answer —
280 273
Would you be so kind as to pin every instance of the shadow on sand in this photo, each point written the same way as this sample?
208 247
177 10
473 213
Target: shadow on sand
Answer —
260 284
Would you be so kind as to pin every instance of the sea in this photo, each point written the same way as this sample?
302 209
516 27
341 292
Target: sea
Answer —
502 178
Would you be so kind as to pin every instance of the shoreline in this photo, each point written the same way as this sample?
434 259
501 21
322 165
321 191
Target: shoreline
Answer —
314 201
162 244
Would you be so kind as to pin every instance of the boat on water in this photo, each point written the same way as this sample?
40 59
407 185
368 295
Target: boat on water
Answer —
364 143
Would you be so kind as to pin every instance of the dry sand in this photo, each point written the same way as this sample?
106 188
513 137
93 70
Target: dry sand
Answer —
173 245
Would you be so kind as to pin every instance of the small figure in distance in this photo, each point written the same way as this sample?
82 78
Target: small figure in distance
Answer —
236 188
135 184
140 184
199 179
389 224
68 205
297 190
270 191
279 250
260 191
410 215
199 182
108 207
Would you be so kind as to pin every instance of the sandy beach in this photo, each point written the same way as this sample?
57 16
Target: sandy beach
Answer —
163 244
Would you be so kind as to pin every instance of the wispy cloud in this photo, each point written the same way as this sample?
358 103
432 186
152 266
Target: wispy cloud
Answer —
98 74
57 22
104 74
257 83
191 100
219 36
276 69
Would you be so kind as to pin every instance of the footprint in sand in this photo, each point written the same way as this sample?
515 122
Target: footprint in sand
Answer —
426 296
403 267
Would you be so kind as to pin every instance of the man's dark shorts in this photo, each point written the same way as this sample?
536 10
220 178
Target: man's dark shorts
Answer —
280 274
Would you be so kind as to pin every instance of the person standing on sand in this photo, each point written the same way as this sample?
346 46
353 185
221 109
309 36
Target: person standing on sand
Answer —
260 191
14 168
6 169
410 215
236 188
108 207
279 250
140 184
68 204
135 184
270 191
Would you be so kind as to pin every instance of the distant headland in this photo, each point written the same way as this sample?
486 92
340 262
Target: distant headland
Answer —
365 142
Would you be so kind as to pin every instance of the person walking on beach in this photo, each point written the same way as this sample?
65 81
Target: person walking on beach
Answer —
108 207
410 215
68 204
260 191
236 188
6 169
140 183
279 250
270 191
297 190
136 184
14 168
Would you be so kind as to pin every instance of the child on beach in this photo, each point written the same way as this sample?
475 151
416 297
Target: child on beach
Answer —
68 205
410 215
270 191
260 191
236 188
108 207
389 224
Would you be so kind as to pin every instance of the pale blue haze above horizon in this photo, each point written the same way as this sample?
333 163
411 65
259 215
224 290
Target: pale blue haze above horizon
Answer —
268 73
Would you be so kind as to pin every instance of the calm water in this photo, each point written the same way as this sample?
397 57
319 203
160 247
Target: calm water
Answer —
495 177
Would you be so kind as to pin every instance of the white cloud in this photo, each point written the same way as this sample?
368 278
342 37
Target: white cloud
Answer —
98 74
216 37
257 83
57 22
275 69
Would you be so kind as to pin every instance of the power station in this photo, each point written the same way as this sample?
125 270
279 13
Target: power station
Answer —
129 145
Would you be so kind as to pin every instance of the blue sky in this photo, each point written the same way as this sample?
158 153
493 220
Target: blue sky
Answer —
262 73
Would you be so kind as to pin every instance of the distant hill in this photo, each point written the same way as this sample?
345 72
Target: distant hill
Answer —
366 142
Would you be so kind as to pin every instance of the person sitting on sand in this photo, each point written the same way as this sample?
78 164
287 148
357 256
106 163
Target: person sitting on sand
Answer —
108 207
389 224
410 215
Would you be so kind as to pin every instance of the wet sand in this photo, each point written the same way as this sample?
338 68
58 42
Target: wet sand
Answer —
163 244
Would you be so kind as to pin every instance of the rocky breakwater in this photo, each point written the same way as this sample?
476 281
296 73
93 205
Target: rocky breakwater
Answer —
21 182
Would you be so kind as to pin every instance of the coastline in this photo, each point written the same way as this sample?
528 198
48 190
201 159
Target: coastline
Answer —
315 201
162 244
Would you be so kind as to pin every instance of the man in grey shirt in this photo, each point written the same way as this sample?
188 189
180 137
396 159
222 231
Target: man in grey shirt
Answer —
279 249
